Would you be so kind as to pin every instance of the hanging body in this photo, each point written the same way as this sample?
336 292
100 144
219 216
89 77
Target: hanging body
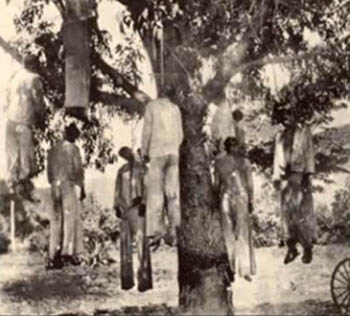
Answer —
235 183
130 186
65 173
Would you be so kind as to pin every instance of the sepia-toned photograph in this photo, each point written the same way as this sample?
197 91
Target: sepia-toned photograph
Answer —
174 157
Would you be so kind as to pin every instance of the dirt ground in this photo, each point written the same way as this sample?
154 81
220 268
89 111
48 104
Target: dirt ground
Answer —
296 289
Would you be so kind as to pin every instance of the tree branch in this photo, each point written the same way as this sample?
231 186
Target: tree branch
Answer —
233 65
339 7
136 103
60 6
10 50
120 81
128 105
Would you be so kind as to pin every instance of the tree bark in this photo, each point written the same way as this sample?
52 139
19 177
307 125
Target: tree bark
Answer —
204 273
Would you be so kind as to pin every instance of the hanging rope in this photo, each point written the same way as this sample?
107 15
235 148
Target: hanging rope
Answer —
161 39
134 124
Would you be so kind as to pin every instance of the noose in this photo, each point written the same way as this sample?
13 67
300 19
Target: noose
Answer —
161 39
157 40
134 124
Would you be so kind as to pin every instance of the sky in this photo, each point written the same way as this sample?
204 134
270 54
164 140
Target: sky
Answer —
126 133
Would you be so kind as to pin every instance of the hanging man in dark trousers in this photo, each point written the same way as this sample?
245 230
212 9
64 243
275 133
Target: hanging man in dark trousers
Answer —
65 172
130 208
293 166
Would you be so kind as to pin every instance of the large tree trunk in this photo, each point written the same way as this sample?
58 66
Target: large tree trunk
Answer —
77 56
204 272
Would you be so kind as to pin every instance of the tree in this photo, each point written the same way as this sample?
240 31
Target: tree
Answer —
236 37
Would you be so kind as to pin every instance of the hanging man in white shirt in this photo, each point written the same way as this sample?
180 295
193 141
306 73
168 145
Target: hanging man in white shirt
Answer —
161 139
25 110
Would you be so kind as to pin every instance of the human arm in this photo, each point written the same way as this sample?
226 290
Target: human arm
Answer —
138 177
180 127
117 205
38 102
278 162
250 185
216 178
79 172
50 173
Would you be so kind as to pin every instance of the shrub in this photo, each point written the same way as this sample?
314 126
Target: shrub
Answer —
101 231
100 227
266 219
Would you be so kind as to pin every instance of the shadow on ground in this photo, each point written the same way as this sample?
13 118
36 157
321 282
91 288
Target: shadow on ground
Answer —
149 310
308 307
37 288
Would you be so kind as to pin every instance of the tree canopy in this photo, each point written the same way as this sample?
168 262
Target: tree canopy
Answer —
231 36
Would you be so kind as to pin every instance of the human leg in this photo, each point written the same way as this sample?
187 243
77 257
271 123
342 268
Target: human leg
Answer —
172 192
55 242
289 204
228 229
155 198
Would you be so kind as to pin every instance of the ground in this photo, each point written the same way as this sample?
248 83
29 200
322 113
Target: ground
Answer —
296 289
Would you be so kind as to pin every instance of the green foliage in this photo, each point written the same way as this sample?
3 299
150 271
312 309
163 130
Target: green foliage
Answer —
266 217
337 224
101 230
193 31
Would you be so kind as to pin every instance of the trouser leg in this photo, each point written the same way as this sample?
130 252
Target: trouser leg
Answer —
56 228
144 273
126 262
70 211
228 230
155 198
244 248
28 166
172 192
12 154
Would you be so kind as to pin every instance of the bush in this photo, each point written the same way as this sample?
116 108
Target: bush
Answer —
334 223
101 231
266 219
100 227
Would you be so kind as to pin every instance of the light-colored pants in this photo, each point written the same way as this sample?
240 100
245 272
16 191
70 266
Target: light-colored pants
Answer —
20 152
65 228
163 195
237 233
133 228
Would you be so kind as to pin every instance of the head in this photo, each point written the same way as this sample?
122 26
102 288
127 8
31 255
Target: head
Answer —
231 145
126 153
289 118
31 62
72 133
237 115
168 91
